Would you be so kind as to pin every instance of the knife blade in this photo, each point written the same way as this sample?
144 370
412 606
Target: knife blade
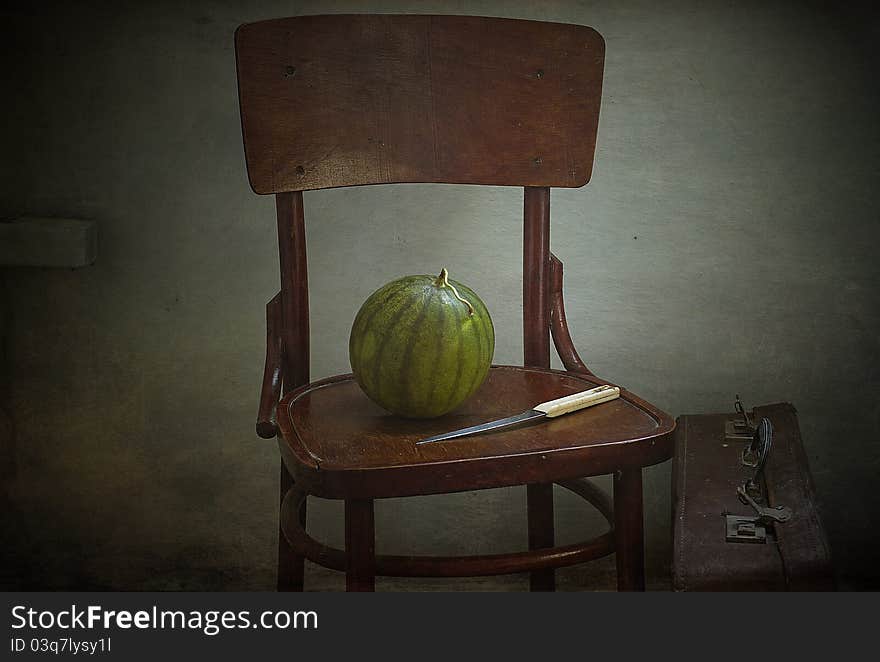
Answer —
551 409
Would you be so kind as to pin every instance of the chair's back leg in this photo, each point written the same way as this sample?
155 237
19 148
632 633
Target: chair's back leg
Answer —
360 552
295 348
536 350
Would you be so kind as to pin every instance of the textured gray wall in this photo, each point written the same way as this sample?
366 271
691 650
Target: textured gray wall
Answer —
726 244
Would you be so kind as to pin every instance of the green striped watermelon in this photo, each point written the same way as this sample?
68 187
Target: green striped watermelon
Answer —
421 345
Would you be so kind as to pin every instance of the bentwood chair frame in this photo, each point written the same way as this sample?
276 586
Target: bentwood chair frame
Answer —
347 100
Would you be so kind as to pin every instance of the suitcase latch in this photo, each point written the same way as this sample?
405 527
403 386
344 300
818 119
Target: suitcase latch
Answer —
740 428
745 529
775 513
753 529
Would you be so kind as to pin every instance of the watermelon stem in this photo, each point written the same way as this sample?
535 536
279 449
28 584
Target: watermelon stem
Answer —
443 281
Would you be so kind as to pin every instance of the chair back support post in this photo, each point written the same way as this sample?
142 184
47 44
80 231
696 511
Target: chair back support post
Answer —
536 277
294 289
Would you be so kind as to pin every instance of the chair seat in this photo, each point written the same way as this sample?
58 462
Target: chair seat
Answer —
339 444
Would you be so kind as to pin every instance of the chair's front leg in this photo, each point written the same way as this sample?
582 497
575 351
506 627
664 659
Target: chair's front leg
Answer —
291 566
541 534
629 530
360 551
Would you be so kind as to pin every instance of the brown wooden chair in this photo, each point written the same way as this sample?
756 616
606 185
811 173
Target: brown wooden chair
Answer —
348 100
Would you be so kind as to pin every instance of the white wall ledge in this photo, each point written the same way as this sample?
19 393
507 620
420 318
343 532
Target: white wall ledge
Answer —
31 241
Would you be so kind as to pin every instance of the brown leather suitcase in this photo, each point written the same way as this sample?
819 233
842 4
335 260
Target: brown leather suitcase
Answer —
721 543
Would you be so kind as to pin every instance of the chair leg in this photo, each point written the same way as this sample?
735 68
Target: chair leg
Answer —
629 530
291 566
360 575
541 535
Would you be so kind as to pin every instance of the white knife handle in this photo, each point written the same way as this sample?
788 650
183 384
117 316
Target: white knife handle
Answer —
575 401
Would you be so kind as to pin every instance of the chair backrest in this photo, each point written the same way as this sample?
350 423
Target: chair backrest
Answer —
346 100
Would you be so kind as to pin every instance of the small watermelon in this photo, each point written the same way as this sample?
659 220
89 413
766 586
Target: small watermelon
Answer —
421 345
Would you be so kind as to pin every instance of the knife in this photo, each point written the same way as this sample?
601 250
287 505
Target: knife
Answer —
551 409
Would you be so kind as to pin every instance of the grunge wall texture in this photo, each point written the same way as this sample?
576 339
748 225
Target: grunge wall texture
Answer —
726 244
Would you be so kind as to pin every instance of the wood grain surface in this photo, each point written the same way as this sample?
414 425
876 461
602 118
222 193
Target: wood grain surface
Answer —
340 443
368 99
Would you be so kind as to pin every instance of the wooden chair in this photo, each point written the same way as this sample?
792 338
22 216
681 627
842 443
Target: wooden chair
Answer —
349 100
